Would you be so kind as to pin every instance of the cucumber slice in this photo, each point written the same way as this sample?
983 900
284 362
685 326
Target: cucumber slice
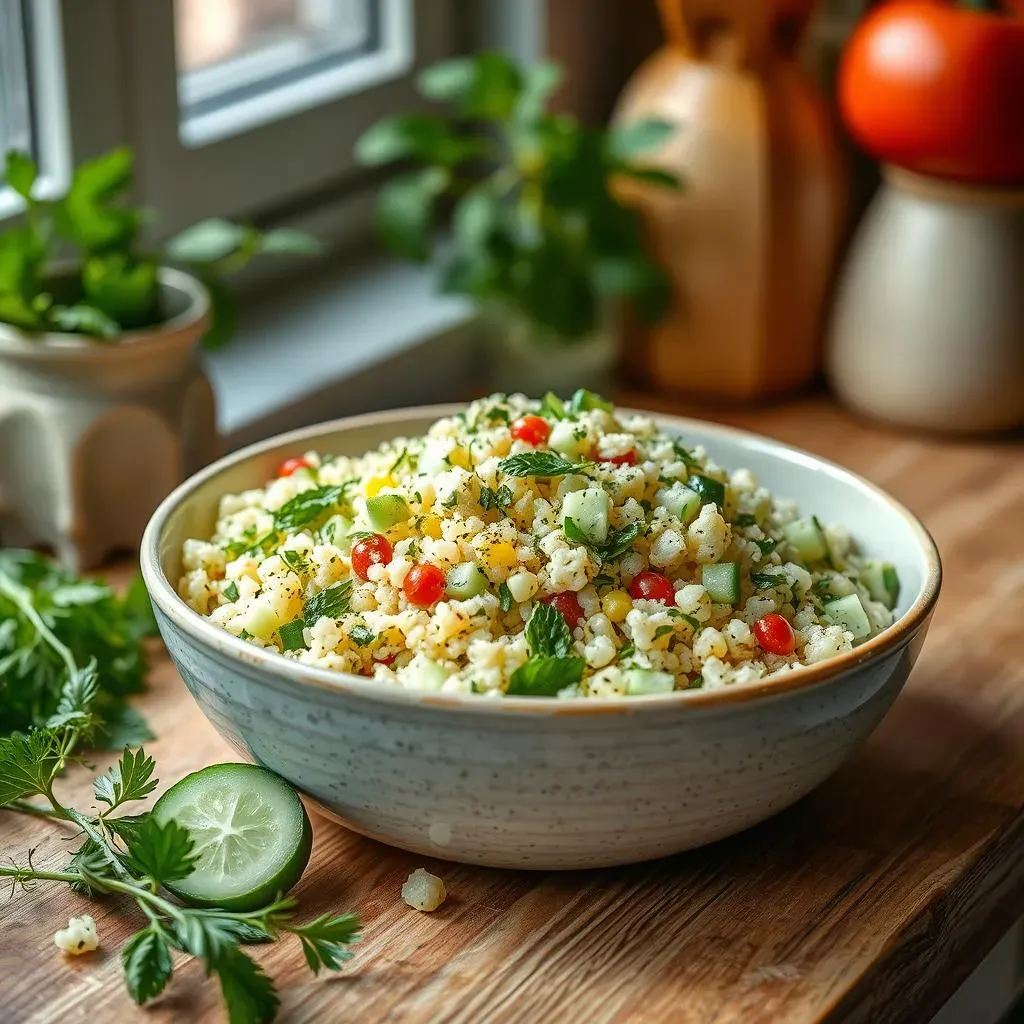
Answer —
722 582
464 581
641 680
589 510
385 510
882 581
563 439
806 539
425 674
709 490
250 830
336 531
683 502
849 613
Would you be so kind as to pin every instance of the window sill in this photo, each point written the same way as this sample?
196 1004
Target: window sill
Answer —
374 337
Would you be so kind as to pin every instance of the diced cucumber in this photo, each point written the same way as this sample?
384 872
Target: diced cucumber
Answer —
806 539
683 502
589 510
849 613
640 681
432 459
584 400
336 530
563 439
425 674
385 510
465 580
882 581
722 582
710 490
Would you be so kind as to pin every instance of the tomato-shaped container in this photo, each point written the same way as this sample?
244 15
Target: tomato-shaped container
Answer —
750 241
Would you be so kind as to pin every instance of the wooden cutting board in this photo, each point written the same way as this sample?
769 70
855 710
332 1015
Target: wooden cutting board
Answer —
868 901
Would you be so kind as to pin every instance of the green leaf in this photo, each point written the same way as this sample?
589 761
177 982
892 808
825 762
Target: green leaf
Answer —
544 676
76 697
486 85
405 211
539 464
425 138
547 632
625 141
249 995
361 636
146 959
137 608
650 176
223 311
206 242
767 580
21 260
585 401
325 938
124 288
83 319
121 726
331 603
129 779
20 172
307 506
86 215
540 80
28 763
505 597
474 218
290 241
291 634
163 853
619 542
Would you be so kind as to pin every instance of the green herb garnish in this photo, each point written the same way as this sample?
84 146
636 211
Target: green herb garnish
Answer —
584 400
663 631
627 651
745 519
539 464
451 501
550 667
505 597
296 561
686 456
766 546
231 591
331 603
710 490
767 580
291 635
308 506
619 542
551 405
361 635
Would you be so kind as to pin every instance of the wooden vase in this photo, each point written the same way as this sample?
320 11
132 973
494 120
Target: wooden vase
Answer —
751 241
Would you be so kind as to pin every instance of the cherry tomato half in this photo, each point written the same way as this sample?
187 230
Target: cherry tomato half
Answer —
424 585
775 634
531 429
652 586
373 550
625 459
569 605
290 466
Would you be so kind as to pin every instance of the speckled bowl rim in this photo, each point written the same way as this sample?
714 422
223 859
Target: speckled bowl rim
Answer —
203 632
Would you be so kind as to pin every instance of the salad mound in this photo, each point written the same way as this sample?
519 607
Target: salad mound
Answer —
557 549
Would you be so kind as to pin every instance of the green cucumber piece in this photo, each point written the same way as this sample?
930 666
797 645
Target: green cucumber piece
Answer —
710 490
336 531
386 510
722 582
641 681
563 439
589 510
250 830
425 674
849 613
464 581
683 502
882 581
807 539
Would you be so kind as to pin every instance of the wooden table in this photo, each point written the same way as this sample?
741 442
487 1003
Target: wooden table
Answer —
868 901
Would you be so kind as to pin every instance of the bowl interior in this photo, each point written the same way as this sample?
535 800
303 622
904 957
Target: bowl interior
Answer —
879 526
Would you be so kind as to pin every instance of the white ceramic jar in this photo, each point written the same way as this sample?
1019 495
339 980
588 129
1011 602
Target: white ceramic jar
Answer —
928 327
94 434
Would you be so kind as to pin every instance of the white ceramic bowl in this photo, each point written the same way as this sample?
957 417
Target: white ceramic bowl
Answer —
533 782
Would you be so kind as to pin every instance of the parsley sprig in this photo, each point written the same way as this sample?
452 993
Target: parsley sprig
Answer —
551 666
134 856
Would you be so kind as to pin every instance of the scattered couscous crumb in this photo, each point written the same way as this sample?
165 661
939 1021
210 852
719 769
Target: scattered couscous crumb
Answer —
420 564
79 936
423 891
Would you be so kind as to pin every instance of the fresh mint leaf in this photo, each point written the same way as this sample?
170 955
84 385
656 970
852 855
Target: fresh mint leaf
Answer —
503 497
230 592
292 636
130 779
324 940
538 464
331 603
161 852
206 242
308 506
545 676
767 580
505 597
547 632
711 491
573 533
619 542
361 636
146 959
20 172
296 561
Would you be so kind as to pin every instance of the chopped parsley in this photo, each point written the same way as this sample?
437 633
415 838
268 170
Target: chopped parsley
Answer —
231 591
451 501
539 464
331 603
675 613
505 597
245 635
766 546
361 635
710 490
291 635
663 630
686 456
627 651
307 507
296 560
500 498
745 519
603 580
767 580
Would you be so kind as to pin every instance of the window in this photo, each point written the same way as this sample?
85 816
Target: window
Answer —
15 103
243 63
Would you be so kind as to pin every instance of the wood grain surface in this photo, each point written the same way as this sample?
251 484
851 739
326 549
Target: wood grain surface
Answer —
869 901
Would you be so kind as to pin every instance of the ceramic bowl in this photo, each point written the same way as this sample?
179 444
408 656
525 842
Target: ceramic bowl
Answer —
533 782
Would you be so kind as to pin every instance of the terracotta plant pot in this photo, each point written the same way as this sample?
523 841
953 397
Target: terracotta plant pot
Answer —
95 434
750 243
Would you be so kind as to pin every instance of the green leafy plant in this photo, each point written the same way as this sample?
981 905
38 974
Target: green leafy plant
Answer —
133 856
112 286
538 227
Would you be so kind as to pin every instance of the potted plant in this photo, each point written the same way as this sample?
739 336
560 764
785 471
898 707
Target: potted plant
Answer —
103 404
541 241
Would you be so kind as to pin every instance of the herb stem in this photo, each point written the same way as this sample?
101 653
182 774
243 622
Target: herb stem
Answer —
43 876
27 807
20 596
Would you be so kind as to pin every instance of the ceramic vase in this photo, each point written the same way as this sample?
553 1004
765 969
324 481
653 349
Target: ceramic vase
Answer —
928 329
751 240
94 434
